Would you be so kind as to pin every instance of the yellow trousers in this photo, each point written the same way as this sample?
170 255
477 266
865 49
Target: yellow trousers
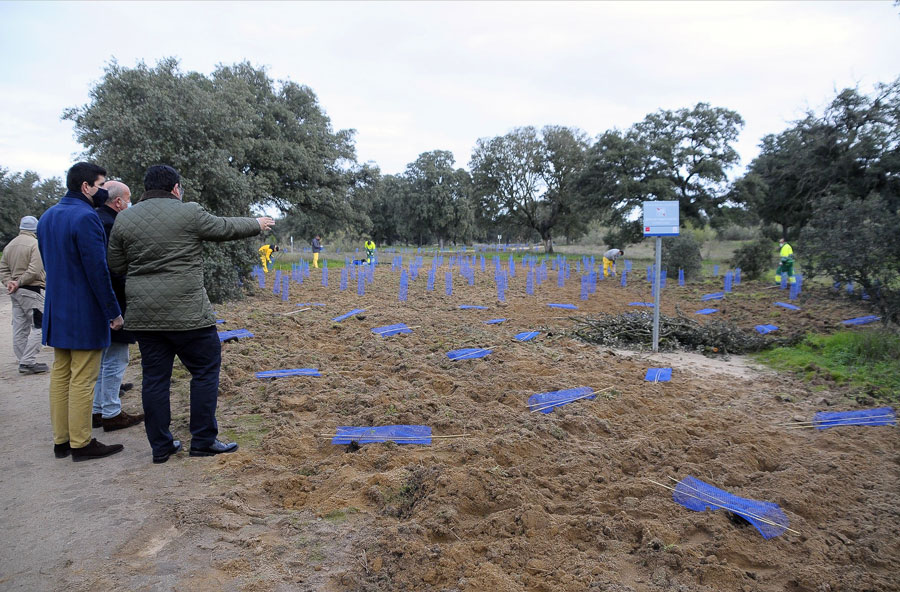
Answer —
316 260
265 267
607 267
72 381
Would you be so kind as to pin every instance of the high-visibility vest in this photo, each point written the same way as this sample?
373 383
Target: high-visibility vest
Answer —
786 251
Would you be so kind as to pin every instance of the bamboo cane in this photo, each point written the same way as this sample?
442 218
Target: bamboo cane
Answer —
739 512
834 425
286 314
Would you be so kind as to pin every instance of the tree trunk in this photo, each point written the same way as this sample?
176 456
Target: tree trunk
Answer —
548 243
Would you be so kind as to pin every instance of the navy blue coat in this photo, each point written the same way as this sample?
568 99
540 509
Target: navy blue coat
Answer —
108 219
79 302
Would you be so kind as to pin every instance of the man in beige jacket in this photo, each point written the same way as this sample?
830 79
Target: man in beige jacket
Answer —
22 272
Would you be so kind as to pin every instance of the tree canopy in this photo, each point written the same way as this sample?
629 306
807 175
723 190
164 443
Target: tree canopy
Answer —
24 194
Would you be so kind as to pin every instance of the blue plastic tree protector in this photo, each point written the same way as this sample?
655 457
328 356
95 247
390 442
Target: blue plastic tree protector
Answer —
706 311
868 417
527 335
650 304
696 495
713 296
220 321
285 286
861 320
389 330
468 353
680 277
311 304
658 375
472 307
400 434
787 306
288 372
715 271
348 315
566 306
448 283
763 329
235 334
494 321
547 402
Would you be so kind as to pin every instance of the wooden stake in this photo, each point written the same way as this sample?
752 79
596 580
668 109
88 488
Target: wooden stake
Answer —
730 509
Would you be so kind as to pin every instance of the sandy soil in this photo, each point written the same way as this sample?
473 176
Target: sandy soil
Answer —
527 501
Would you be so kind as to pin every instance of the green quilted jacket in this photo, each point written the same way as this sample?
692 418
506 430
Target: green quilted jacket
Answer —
157 244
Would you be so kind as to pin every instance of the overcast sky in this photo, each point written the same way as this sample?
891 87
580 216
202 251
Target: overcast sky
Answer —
412 77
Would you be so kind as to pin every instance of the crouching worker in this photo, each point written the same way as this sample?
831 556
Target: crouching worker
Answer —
609 261
265 256
168 310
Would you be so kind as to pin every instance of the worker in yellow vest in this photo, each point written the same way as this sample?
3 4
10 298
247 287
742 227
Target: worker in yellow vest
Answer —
786 265
265 255
370 250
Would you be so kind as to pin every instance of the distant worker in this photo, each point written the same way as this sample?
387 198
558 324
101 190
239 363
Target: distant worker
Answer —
370 251
316 249
22 272
787 263
265 255
609 260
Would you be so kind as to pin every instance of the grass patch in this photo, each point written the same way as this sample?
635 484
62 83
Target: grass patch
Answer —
862 359
338 516
248 430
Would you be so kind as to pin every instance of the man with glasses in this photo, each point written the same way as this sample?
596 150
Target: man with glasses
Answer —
80 308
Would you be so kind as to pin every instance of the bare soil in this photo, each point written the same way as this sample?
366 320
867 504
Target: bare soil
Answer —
526 501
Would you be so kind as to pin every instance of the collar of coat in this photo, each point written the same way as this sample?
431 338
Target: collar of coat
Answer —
81 196
157 193
108 210
30 233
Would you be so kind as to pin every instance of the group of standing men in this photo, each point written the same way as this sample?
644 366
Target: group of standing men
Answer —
95 261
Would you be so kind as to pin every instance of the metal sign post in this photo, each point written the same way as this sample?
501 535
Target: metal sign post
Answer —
660 219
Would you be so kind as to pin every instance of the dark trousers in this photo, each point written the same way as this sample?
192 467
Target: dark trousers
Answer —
201 353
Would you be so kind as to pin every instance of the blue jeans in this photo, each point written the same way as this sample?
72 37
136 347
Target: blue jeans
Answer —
201 353
112 370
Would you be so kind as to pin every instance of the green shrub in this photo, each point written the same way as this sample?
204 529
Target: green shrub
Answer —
734 232
755 258
682 252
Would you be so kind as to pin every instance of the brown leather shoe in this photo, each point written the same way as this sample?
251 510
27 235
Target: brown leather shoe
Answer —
95 450
121 421
96 420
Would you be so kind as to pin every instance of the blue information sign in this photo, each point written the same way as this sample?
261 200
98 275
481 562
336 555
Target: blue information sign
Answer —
660 218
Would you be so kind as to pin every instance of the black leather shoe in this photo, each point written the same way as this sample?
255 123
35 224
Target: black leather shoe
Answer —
216 448
62 450
96 420
126 386
176 447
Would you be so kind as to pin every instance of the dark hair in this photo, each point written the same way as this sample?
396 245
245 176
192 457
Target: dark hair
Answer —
83 172
161 177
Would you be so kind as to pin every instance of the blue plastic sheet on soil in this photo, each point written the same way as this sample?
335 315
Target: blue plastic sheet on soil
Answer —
472 307
869 417
763 329
862 320
235 334
401 434
389 330
468 353
706 311
494 321
696 495
348 315
713 296
566 306
658 375
288 372
547 402
649 304
787 306
527 335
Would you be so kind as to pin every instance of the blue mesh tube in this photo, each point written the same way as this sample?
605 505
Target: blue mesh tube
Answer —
389 330
468 353
288 372
706 311
401 434
547 402
763 329
713 296
527 335
648 304
861 320
696 495
869 417
787 306
566 306
494 321
348 315
658 375
472 307
235 334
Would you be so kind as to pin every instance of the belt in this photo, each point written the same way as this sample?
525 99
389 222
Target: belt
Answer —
31 288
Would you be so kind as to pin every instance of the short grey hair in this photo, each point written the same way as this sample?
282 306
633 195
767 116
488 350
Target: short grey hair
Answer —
116 190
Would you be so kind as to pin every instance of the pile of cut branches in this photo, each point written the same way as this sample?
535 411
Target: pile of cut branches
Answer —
635 330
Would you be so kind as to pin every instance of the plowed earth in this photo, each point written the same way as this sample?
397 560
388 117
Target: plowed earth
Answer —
528 501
